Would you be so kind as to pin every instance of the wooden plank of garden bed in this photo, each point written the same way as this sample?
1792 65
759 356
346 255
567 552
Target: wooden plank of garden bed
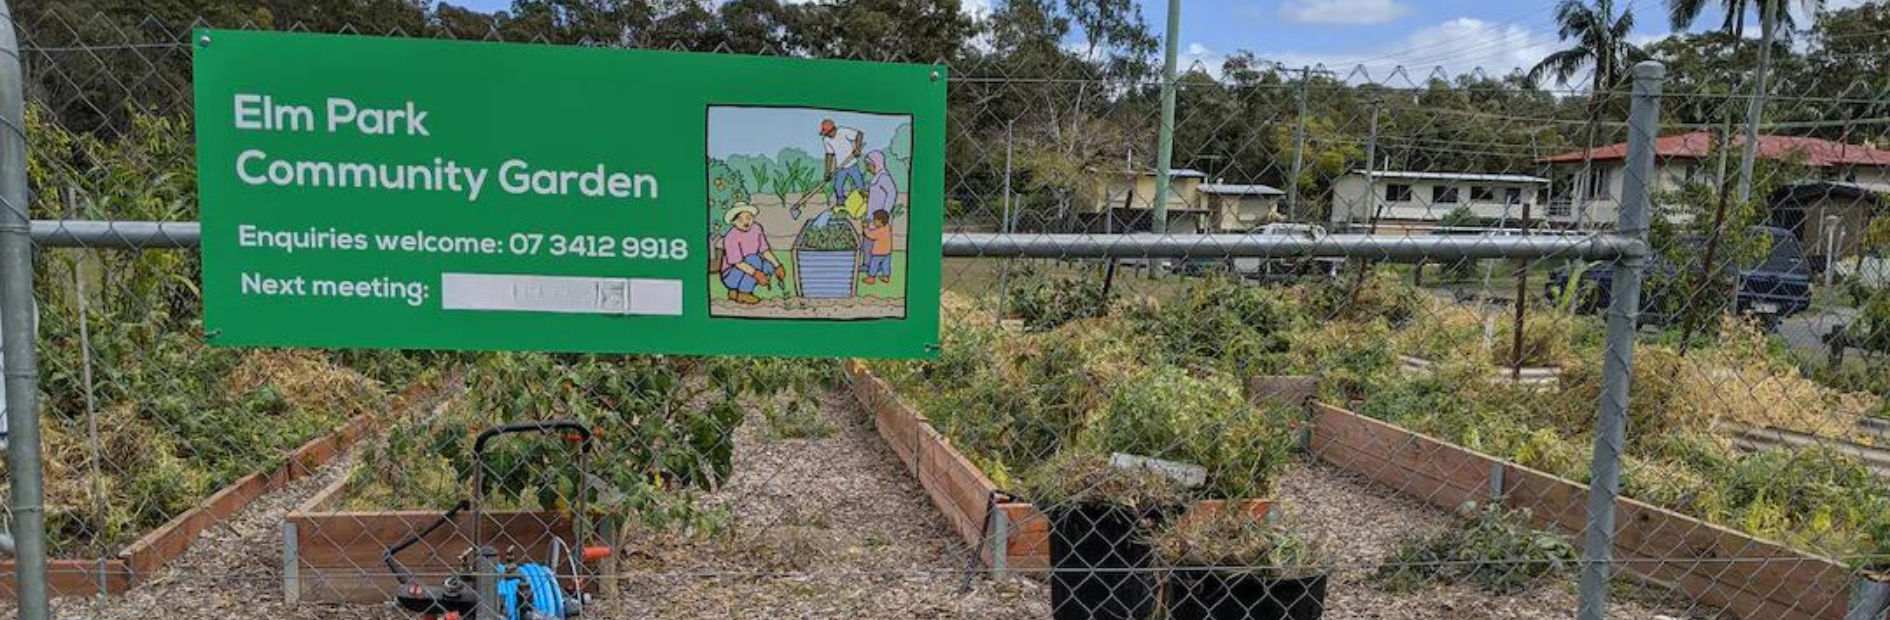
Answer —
75 577
339 554
1436 472
957 487
150 552
1713 565
1735 560
1028 547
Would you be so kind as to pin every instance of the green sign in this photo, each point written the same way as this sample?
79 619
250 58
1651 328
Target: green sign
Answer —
409 193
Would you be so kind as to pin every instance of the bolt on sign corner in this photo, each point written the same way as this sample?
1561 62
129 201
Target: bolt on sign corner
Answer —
410 193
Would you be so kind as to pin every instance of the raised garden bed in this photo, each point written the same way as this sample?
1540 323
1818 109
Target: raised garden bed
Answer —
1010 534
147 555
332 556
1747 576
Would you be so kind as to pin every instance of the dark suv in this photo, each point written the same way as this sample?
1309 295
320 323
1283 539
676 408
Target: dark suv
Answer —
1770 289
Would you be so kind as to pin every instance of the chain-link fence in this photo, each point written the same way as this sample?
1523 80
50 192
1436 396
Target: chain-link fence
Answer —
1369 366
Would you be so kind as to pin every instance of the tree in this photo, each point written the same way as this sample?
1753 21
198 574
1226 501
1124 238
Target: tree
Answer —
1600 43
886 30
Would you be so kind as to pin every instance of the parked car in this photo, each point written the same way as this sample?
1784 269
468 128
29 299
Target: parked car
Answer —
1773 287
1288 268
1267 269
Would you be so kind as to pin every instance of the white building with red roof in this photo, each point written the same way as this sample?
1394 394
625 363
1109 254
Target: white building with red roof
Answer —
1588 183
1843 187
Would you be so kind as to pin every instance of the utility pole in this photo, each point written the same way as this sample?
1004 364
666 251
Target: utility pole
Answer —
1164 157
1004 268
1299 147
1768 25
1371 169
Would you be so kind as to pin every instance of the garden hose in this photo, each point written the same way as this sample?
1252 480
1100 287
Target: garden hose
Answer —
547 599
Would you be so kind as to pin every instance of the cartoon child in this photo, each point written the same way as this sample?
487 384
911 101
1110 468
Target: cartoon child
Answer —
879 253
747 261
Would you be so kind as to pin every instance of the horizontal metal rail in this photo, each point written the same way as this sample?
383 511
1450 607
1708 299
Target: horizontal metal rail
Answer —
151 235
115 235
1375 247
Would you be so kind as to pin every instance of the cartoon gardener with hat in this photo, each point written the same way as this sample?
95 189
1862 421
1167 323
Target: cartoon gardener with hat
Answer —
747 261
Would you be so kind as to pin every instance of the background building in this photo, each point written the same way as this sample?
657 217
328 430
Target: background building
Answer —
1406 199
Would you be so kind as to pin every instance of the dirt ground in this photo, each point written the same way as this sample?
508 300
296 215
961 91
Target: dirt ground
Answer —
832 309
1363 523
833 527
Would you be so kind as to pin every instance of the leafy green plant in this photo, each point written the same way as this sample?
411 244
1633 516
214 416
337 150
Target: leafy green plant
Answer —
726 188
175 419
1493 549
1374 295
660 433
1219 322
1168 414
797 419
837 235
1045 301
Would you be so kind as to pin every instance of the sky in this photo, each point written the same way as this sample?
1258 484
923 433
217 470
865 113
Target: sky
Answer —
765 131
1423 36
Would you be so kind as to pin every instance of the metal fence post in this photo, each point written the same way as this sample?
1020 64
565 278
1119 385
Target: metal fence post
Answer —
1617 363
17 333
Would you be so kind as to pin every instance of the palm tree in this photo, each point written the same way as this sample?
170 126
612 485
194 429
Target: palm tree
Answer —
1684 12
1600 41
1772 14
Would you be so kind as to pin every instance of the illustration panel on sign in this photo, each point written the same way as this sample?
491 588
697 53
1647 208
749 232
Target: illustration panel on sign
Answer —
808 213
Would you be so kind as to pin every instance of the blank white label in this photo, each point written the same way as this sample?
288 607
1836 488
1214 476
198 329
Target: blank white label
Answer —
662 297
562 294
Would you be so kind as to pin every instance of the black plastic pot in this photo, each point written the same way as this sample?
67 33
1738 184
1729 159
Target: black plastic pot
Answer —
1100 560
1209 594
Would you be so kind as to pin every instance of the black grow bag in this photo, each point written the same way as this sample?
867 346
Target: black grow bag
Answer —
1208 594
1100 563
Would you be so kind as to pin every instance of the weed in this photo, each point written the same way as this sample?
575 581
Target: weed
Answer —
1045 301
1077 477
798 419
1235 540
1493 548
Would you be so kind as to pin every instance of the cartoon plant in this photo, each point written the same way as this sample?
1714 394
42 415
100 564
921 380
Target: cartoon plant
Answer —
796 177
725 189
760 176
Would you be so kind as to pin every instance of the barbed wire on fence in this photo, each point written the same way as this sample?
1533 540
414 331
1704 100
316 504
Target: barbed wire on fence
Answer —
1348 409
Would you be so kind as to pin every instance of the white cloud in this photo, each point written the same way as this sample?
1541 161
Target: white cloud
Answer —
1343 12
1458 46
1200 56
